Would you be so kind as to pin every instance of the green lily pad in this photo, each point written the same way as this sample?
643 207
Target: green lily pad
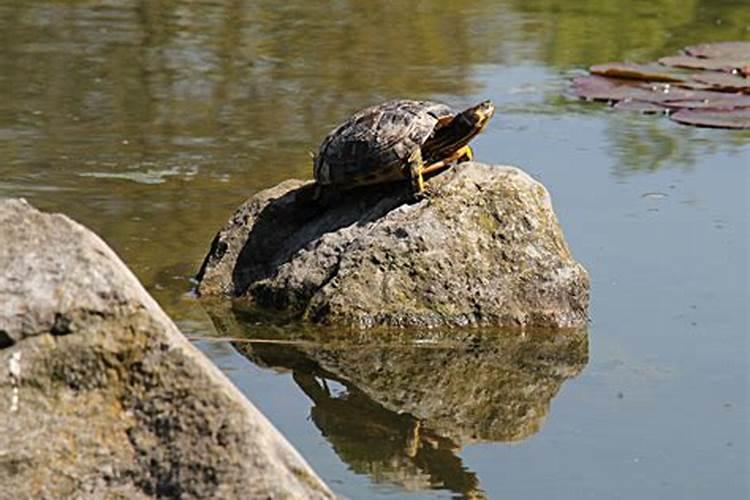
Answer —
737 118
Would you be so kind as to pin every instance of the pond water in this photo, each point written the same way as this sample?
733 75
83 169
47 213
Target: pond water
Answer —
150 122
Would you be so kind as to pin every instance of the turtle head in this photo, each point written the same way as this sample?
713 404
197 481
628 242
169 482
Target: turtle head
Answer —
451 138
480 114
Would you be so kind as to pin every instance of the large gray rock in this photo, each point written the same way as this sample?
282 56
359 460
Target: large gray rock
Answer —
102 396
484 248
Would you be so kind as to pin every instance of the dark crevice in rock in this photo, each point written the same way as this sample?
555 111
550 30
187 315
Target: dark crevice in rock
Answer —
217 251
5 339
61 325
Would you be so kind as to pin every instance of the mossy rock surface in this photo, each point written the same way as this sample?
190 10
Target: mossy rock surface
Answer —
483 248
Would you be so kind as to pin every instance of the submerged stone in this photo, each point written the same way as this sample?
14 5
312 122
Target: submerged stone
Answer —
484 248
102 396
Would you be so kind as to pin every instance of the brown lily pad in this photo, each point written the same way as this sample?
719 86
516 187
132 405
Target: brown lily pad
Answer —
645 72
691 62
737 51
697 86
599 88
724 82
710 100
714 118
716 93
645 107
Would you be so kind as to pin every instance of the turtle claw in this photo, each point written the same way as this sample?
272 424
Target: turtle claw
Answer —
424 194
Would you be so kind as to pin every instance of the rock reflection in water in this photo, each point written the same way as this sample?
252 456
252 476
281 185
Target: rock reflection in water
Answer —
386 445
399 406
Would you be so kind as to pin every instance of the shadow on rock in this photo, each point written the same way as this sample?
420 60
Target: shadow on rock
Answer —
292 223
398 406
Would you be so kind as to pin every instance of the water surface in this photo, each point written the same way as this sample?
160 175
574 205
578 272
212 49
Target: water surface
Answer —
151 121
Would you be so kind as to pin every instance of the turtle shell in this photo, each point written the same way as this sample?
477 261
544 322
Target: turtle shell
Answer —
375 143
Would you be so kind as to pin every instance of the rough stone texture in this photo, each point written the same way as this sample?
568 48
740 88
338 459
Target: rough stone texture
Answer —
398 405
102 396
483 248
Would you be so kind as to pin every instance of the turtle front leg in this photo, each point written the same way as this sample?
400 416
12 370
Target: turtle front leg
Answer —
418 181
416 174
464 153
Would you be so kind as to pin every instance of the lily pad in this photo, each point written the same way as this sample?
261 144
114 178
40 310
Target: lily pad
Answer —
715 118
647 108
696 85
646 72
725 82
737 51
691 62
716 100
599 88
716 88
664 92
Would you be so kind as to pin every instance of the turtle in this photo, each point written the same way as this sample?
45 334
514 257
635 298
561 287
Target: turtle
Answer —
397 140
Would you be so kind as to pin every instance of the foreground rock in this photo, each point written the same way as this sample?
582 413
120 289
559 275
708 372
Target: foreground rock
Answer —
485 248
102 397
